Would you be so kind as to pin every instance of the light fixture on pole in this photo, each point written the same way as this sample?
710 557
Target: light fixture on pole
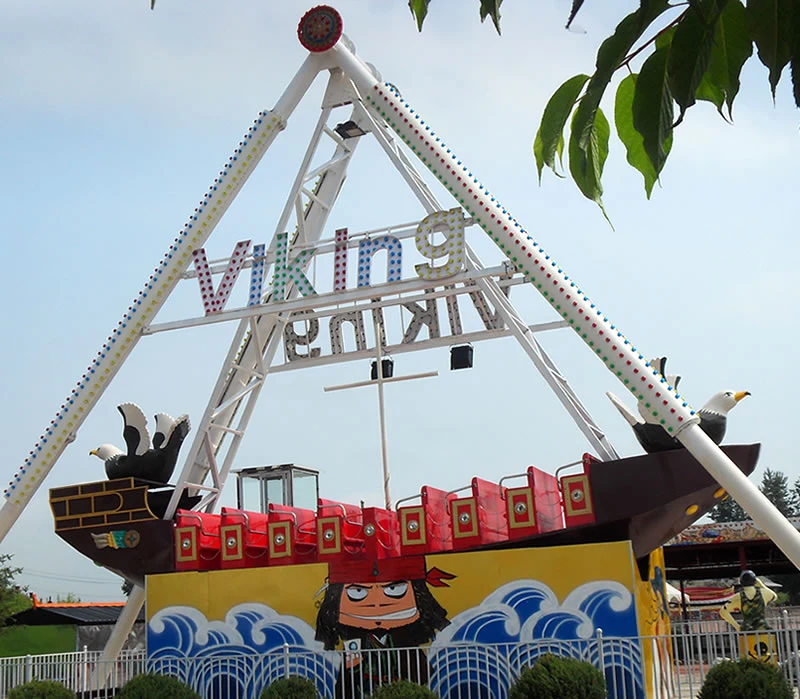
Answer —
349 129
387 368
461 357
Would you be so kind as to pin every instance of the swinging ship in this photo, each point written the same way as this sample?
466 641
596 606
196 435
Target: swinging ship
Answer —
646 500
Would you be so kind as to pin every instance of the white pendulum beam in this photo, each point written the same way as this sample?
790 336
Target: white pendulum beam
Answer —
593 326
251 353
116 640
202 221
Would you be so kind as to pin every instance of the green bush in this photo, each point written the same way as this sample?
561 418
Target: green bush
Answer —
291 688
559 678
745 679
151 686
403 690
41 690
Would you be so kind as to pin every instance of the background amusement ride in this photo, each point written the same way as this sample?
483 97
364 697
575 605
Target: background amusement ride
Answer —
534 557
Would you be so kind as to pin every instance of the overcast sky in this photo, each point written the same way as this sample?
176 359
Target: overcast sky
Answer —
115 120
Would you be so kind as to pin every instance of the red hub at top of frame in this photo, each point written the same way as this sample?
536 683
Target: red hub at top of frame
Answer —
320 28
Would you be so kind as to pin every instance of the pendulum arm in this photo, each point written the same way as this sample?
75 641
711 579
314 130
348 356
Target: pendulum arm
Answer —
113 353
603 337
257 340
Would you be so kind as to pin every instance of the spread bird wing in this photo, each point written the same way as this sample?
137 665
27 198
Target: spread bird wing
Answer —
179 431
164 426
629 416
137 438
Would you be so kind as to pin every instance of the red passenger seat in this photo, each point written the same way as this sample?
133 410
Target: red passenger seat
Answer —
536 507
244 538
479 518
425 528
292 535
340 530
197 540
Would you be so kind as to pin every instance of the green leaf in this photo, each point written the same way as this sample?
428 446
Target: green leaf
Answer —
771 29
554 118
664 38
795 62
709 91
690 54
586 164
491 8
630 137
653 108
419 8
796 79
732 47
609 57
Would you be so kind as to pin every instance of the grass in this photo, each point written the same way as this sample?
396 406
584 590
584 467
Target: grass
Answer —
24 640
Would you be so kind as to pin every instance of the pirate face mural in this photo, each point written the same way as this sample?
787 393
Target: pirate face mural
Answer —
383 603
378 605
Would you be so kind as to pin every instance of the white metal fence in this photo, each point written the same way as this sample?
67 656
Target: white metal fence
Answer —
453 671
73 670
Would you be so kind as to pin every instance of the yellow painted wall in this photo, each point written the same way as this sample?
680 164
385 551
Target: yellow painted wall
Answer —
292 589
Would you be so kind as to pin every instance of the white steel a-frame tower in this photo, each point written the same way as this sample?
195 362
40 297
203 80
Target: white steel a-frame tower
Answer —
374 110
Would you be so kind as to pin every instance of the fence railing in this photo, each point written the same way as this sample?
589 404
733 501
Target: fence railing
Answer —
452 671
73 670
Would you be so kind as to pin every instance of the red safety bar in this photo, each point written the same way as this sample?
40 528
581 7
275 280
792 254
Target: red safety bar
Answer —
340 530
425 528
536 507
292 533
244 538
197 540
479 518
577 496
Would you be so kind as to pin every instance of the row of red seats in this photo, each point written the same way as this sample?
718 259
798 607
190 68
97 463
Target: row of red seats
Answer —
442 521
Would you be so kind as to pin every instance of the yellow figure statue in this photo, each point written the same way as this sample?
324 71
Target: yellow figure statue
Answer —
752 602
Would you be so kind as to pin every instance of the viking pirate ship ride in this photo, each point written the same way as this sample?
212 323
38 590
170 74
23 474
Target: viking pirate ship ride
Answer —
590 528
645 499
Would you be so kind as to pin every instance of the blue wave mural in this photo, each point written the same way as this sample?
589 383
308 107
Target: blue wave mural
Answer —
485 648
479 655
238 657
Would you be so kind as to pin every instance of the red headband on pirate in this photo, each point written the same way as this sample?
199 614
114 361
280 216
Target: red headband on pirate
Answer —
387 570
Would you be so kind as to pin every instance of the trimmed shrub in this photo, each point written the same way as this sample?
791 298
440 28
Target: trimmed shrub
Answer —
559 678
745 679
41 690
291 688
403 689
152 686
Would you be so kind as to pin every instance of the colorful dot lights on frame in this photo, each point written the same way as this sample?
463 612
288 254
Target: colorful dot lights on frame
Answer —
451 225
530 258
87 391
214 301
394 258
290 272
257 274
340 260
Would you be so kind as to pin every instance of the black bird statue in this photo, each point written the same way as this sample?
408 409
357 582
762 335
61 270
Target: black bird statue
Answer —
142 461
654 438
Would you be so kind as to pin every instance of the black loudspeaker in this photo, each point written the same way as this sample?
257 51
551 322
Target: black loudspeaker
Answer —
461 357
388 369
